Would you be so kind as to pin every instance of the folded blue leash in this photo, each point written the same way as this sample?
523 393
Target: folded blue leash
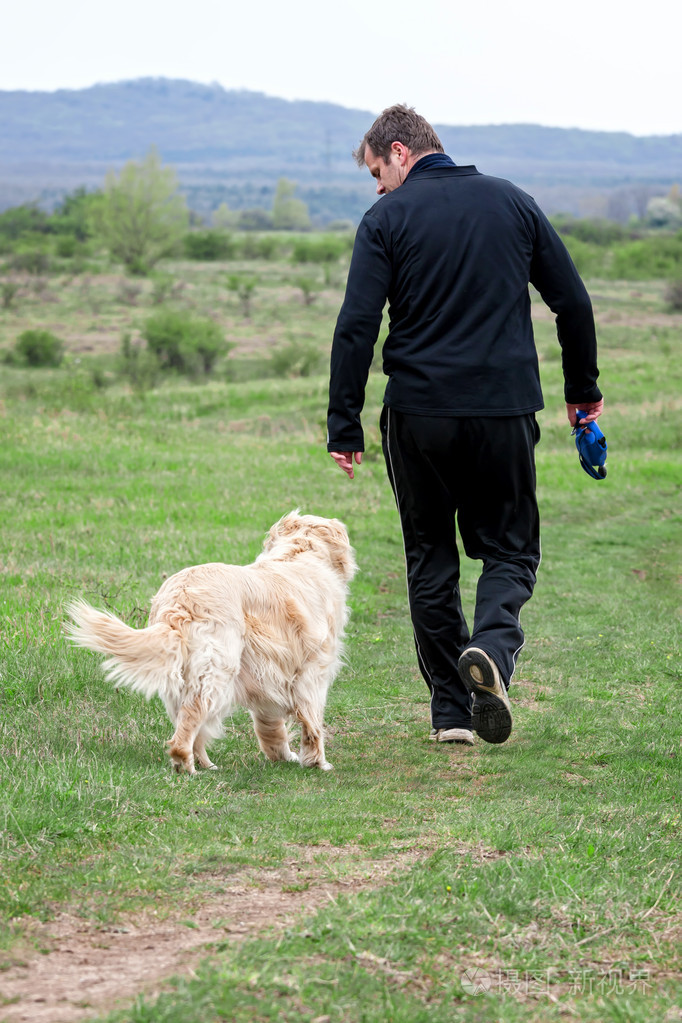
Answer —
591 445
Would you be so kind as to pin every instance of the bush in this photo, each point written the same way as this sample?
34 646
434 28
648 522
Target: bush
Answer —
295 359
19 221
673 295
590 260
325 249
32 261
265 246
591 229
138 365
67 246
658 256
185 343
209 245
9 291
39 348
254 220
244 287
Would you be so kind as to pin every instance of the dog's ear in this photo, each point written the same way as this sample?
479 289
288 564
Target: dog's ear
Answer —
335 536
288 523
285 526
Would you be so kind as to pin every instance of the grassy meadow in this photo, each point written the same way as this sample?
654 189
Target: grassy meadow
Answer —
534 881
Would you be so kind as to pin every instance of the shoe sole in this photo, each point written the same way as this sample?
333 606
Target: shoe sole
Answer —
491 713
458 736
450 736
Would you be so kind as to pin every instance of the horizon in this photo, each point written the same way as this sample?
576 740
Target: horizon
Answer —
324 102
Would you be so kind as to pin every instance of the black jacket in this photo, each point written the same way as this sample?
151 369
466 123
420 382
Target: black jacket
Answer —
453 251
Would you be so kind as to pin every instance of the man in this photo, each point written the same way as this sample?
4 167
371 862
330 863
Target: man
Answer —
453 251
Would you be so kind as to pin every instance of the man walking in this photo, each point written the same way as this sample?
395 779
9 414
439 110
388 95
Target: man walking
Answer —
453 252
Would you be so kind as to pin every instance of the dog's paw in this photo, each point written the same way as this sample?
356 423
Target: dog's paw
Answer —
325 766
291 756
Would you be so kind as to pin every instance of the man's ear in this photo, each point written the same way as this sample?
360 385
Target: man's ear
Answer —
401 151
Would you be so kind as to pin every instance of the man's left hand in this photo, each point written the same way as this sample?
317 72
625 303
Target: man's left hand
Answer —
593 409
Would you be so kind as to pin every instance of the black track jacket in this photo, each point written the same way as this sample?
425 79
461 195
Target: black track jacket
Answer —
453 251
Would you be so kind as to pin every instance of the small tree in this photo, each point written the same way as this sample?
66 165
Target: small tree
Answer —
140 216
309 288
244 287
289 213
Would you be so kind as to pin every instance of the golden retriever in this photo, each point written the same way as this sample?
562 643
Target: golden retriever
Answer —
266 636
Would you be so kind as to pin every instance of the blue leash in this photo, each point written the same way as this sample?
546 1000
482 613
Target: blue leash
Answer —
591 445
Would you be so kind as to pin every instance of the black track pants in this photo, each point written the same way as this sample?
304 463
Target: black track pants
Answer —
479 471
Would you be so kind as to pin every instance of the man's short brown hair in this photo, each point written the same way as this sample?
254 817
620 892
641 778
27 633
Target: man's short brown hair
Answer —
398 124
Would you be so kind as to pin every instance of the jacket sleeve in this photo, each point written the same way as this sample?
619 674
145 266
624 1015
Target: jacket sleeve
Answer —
357 329
554 275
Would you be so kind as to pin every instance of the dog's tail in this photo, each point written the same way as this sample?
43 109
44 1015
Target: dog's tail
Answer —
144 659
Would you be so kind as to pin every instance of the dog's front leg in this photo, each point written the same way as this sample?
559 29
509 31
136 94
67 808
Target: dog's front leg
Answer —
201 757
312 738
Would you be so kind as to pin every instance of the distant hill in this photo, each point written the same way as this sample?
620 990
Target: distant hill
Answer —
233 146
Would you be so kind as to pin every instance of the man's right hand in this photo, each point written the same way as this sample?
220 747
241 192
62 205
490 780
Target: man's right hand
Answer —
344 459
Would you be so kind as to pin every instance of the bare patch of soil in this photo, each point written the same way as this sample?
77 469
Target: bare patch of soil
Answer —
85 969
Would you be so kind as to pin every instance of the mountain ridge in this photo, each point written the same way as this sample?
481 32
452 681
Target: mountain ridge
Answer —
237 143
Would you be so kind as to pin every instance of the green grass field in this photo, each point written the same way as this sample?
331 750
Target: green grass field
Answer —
535 881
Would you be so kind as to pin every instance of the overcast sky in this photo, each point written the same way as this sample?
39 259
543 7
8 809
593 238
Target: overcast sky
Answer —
593 64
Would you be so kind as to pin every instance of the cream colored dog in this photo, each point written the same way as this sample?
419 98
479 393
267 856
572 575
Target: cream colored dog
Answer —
266 636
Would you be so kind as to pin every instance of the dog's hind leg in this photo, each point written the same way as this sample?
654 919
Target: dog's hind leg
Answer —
273 735
187 726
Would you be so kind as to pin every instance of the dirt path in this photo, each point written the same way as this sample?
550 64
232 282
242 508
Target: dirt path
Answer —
85 969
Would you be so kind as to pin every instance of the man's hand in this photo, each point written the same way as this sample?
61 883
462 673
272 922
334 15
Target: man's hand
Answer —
344 459
593 409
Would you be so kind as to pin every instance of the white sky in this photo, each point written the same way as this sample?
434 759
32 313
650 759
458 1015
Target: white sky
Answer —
596 64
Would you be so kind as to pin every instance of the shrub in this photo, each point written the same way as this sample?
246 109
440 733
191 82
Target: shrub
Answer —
9 291
265 246
162 288
325 249
309 288
39 348
295 358
67 246
129 292
658 256
673 295
138 365
590 260
19 221
244 287
209 245
254 220
591 229
32 261
186 343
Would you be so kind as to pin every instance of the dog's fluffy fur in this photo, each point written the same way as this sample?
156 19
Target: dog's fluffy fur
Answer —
265 636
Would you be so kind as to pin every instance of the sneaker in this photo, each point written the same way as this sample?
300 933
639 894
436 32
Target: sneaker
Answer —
461 736
491 714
